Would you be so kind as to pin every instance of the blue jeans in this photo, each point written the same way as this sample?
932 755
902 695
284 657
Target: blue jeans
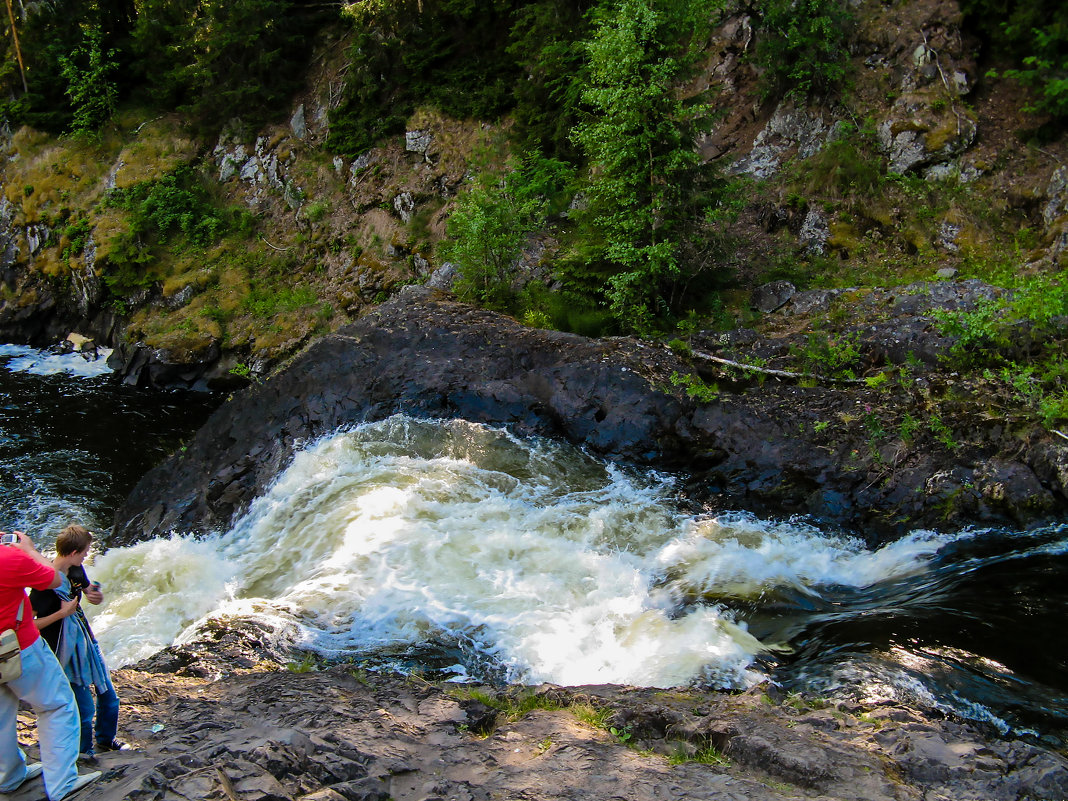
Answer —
44 686
107 715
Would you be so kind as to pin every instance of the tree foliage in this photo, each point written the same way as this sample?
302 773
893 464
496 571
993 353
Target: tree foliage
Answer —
1033 36
493 219
216 59
209 58
802 46
447 53
647 188
91 85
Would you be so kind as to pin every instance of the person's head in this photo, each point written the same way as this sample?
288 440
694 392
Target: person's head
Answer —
73 539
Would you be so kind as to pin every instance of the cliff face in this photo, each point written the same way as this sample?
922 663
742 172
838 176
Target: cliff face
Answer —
916 173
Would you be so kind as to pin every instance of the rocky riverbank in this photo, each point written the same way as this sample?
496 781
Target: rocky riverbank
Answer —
903 443
220 720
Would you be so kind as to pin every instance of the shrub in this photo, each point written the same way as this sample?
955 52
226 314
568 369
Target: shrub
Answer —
802 46
1032 34
492 220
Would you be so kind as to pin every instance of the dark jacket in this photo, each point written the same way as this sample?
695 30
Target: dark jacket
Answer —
46 602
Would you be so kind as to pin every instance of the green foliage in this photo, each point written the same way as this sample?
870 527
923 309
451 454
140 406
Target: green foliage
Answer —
216 59
178 203
622 733
451 54
76 233
90 85
513 705
1033 34
647 190
492 220
548 43
831 358
695 387
802 46
264 301
567 311
308 663
850 164
176 209
707 755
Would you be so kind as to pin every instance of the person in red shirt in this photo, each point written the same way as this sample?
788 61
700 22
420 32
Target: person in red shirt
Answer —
43 685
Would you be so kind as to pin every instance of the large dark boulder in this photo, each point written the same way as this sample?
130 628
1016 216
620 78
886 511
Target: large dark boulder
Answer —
752 447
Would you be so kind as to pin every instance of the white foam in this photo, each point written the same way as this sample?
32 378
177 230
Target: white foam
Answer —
542 560
22 359
742 556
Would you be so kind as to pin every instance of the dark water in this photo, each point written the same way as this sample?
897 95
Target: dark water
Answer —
980 634
977 633
72 447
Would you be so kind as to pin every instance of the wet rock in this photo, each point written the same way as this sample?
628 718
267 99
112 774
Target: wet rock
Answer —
771 297
768 446
790 131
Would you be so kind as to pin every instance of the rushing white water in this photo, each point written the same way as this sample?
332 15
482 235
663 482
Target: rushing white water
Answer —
23 359
529 557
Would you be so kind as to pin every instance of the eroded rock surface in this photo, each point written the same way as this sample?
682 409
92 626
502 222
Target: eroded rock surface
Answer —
865 455
228 724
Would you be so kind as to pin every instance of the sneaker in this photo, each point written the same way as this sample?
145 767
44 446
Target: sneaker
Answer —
114 745
80 782
33 770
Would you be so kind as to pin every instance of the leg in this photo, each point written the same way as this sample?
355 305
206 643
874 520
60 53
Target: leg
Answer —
44 685
83 694
12 760
107 716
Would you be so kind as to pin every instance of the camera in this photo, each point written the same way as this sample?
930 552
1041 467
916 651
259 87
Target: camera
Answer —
9 539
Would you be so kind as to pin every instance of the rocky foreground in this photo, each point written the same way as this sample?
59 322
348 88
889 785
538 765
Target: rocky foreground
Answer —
217 721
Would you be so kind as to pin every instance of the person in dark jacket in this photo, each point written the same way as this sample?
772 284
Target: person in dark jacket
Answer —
42 683
64 627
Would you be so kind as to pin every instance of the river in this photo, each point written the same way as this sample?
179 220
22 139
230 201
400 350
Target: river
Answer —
465 552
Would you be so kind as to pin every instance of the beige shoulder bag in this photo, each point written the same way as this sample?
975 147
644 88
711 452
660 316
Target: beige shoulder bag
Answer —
10 652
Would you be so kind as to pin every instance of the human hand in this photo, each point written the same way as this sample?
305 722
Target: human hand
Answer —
68 608
24 543
93 594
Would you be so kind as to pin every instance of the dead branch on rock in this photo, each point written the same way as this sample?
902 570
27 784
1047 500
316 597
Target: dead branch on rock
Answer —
752 368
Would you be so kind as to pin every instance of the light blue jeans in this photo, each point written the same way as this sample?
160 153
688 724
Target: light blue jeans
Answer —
44 686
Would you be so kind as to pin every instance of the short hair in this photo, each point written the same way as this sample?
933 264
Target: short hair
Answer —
72 539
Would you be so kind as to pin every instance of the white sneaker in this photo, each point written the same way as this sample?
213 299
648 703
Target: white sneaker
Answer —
33 770
80 782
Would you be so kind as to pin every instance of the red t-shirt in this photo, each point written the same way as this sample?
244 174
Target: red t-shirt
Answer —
19 570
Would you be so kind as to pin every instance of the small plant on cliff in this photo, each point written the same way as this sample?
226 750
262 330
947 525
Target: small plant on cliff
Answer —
705 755
491 222
90 85
695 387
621 733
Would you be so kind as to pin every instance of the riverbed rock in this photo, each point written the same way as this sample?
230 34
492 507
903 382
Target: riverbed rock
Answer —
881 456
232 727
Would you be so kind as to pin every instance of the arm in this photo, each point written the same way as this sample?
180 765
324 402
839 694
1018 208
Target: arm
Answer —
25 544
66 609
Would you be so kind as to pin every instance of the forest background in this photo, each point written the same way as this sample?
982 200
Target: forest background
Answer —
554 160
